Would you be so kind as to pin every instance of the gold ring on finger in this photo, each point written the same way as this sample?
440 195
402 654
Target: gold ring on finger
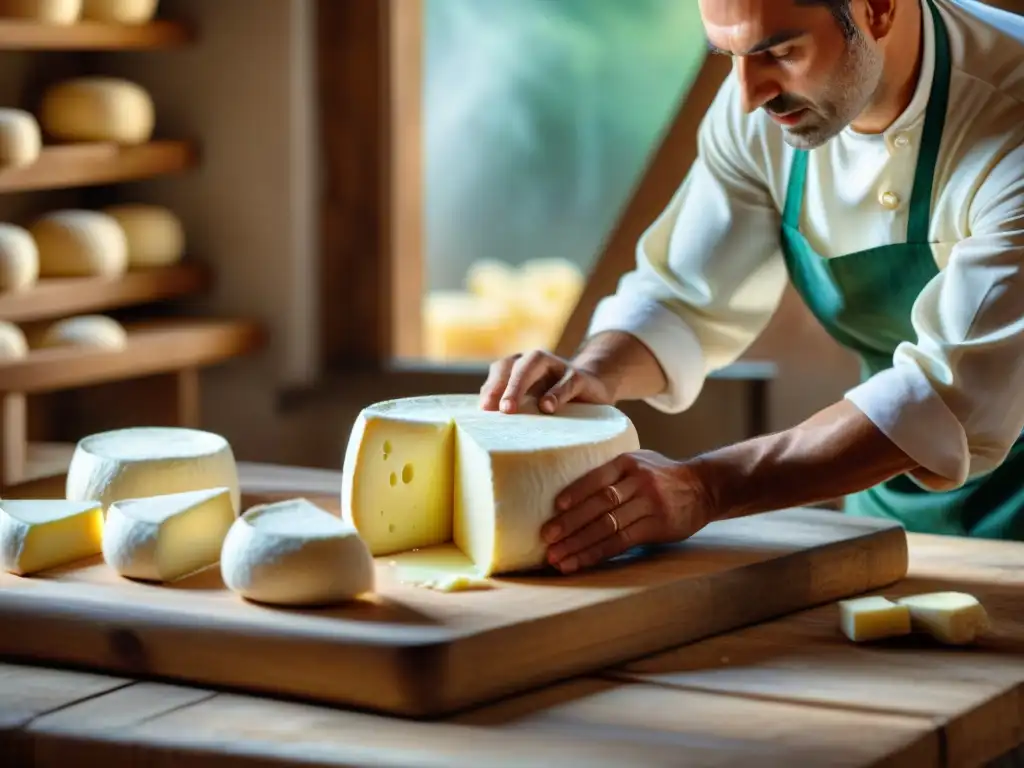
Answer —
615 522
613 493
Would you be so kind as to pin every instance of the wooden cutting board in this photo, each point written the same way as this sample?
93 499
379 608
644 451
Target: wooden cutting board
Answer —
415 652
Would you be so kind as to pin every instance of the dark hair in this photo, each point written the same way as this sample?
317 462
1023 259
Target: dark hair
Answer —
841 10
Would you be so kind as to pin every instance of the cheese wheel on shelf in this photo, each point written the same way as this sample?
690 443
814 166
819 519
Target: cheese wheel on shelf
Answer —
79 243
119 11
150 461
39 534
98 109
19 258
21 139
13 342
163 538
424 471
60 12
91 331
295 553
156 237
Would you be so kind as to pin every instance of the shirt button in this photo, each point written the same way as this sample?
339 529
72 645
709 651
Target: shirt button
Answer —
902 140
889 200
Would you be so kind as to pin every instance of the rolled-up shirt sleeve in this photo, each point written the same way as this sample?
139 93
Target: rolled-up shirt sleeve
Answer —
709 272
954 398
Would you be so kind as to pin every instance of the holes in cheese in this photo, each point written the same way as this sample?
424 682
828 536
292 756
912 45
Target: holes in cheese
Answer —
13 344
150 461
21 139
484 480
155 235
95 331
42 11
295 553
77 243
162 538
955 618
873 618
36 535
19 258
119 11
98 109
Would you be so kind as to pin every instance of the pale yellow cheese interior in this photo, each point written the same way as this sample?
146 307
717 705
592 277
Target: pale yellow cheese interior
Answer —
954 618
36 535
873 618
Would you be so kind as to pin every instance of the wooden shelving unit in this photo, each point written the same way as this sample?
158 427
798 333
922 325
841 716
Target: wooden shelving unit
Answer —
173 349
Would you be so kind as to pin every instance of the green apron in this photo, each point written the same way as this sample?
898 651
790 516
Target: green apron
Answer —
864 300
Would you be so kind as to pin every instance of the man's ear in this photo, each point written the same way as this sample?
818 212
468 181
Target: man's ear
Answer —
878 16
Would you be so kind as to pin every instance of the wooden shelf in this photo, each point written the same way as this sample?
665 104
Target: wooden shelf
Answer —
153 347
64 296
81 165
16 35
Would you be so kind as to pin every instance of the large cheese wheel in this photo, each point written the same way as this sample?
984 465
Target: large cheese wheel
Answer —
94 331
139 462
98 109
156 237
21 139
42 11
74 243
119 11
409 482
19 258
13 343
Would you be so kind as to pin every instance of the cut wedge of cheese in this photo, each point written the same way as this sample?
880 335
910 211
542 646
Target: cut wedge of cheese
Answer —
955 618
39 534
427 470
150 461
864 619
295 553
162 538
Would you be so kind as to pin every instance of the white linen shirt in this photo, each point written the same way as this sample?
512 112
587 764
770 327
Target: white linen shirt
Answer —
710 271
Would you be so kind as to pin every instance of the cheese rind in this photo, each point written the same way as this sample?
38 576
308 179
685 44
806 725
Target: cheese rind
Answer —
80 243
19 258
163 538
295 553
155 235
13 343
954 618
504 472
95 331
864 619
39 534
21 139
98 109
151 461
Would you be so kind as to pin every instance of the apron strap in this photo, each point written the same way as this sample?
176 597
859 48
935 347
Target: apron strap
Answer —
795 190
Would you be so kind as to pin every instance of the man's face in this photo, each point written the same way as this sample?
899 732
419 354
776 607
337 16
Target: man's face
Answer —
795 62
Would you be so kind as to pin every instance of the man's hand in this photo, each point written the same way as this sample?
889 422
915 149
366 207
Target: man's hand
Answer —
552 380
637 498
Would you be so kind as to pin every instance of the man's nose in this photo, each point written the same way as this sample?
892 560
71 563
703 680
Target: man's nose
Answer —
757 87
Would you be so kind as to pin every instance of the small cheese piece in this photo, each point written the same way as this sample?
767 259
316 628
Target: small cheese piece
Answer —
76 243
955 618
150 461
156 237
21 139
864 619
295 553
425 470
19 258
98 109
13 344
39 534
162 538
120 11
42 11
93 331
456 582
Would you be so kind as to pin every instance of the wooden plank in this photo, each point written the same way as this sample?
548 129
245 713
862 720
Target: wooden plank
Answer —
57 297
18 35
65 166
583 722
417 652
975 693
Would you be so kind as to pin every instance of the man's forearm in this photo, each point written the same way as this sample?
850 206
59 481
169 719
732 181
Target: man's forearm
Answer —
625 365
836 452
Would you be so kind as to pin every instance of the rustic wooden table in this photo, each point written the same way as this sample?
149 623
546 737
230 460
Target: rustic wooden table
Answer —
791 692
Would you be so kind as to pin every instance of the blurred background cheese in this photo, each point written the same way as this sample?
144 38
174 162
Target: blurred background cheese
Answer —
92 331
42 11
13 342
119 11
155 235
98 109
39 534
461 326
80 243
21 139
19 258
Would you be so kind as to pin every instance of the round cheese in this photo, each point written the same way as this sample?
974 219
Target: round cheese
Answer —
21 139
19 258
150 461
119 11
295 553
43 11
13 344
98 109
156 237
75 243
93 331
